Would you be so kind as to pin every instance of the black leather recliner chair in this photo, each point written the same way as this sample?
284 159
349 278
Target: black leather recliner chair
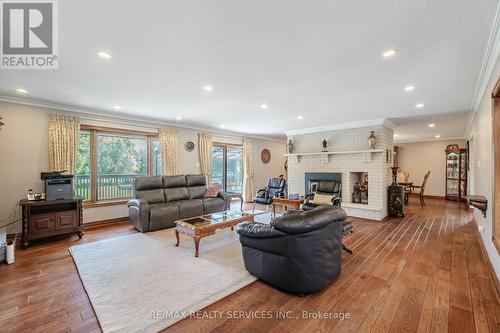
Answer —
275 188
298 252
330 187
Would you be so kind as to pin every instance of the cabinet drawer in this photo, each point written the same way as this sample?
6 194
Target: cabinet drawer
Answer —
42 223
65 220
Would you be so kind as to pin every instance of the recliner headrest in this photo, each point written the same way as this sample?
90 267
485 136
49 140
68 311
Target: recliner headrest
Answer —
302 222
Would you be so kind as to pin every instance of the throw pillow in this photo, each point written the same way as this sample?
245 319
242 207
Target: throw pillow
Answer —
323 199
212 191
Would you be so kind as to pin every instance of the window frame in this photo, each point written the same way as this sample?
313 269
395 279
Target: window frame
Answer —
224 175
94 133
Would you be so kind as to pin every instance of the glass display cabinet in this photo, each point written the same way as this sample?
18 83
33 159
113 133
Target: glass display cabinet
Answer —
456 173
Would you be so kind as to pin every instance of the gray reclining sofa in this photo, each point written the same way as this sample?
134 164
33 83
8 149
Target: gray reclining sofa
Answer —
161 200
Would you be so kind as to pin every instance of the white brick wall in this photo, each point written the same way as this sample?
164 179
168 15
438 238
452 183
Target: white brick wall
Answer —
379 173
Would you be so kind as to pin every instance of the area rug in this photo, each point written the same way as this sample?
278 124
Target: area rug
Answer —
143 283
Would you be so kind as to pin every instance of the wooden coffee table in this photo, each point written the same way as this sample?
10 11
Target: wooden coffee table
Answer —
206 225
292 203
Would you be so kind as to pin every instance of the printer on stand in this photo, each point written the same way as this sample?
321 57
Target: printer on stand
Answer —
58 185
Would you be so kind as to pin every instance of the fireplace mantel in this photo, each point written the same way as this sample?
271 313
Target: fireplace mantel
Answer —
367 154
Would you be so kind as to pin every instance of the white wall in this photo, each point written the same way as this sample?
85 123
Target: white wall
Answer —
24 154
417 158
482 156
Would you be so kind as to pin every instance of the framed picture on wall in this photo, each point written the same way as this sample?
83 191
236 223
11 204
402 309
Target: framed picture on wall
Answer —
388 156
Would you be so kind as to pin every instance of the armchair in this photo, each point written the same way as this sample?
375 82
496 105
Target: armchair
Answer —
275 188
299 252
325 187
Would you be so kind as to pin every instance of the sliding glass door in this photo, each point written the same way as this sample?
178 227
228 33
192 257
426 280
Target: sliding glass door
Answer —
227 168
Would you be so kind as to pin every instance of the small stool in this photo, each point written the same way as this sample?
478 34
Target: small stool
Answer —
347 228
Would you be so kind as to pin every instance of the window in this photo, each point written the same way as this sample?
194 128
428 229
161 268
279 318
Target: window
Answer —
109 159
227 167
157 160
119 160
83 166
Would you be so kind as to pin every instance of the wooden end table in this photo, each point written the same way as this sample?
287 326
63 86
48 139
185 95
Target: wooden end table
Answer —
206 225
292 203
233 195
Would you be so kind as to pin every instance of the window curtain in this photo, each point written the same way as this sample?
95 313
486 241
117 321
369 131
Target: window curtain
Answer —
169 150
64 132
205 144
248 191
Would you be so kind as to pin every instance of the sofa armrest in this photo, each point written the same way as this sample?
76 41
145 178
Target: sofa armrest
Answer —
257 230
227 200
138 213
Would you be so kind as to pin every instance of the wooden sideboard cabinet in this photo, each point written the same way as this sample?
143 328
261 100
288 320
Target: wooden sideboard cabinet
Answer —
46 218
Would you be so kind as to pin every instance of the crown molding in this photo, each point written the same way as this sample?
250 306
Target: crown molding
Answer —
340 126
488 66
429 140
124 119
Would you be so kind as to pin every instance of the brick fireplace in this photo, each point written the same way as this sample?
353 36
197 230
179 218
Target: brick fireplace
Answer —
348 159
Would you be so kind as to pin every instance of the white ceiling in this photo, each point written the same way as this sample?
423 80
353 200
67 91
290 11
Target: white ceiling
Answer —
317 59
416 128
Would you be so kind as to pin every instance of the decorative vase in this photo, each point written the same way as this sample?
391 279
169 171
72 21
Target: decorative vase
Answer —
324 143
372 140
290 146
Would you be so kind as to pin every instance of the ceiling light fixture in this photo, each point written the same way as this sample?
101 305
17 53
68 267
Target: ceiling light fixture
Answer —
178 118
419 106
437 136
117 107
409 88
221 126
208 88
104 55
389 53
263 106
396 135
431 125
22 91
300 117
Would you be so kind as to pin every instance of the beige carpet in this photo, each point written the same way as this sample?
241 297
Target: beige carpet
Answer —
130 277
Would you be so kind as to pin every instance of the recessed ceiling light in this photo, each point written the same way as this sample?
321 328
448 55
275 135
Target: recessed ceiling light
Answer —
419 106
409 88
208 88
263 106
437 136
178 118
104 55
431 125
221 126
396 135
22 91
117 107
389 53
300 117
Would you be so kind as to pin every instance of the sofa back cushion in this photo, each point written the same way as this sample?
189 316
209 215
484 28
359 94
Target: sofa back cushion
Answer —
176 194
148 183
151 196
174 181
197 186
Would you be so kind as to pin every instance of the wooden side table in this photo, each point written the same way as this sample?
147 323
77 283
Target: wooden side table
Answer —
294 204
46 218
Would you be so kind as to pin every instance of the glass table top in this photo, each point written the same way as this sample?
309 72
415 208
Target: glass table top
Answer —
215 218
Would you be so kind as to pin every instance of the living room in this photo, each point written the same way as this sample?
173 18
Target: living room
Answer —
265 167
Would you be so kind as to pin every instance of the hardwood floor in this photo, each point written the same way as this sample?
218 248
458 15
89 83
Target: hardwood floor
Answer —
423 273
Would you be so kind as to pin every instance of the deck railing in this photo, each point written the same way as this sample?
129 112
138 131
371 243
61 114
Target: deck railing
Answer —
122 186
108 186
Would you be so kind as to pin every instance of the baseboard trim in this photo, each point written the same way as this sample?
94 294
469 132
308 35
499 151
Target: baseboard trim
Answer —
95 224
488 260
429 196
88 226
